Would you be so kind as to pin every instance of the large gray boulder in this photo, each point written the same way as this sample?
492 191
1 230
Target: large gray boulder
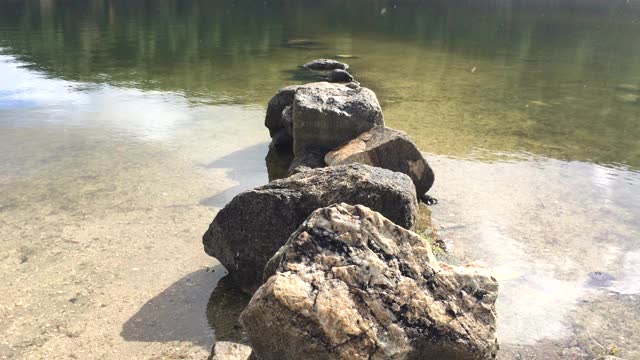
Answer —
320 116
387 148
339 76
246 233
326 115
350 284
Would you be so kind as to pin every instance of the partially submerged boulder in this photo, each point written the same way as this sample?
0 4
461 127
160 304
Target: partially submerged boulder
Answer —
326 115
387 148
282 99
350 284
325 64
339 76
247 232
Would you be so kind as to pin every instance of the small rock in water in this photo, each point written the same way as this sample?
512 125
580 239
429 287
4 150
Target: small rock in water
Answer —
302 42
339 76
600 279
629 98
325 64
628 87
346 56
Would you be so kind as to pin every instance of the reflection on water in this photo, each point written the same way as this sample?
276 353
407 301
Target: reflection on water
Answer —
547 227
152 110
559 79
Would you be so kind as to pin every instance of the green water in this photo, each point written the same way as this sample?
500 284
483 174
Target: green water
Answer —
545 80
528 111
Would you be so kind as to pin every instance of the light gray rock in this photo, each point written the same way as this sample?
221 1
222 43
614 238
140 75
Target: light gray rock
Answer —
246 233
325 64
350 284
387 148
326 115
287 119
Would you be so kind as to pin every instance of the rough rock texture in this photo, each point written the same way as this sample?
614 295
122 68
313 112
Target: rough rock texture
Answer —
350 284
310 159
326 115
287 119
339 76
282 99
387 148
230 351
325 64
247 232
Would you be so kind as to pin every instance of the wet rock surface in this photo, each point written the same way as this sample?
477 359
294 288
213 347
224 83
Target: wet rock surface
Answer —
339 76
247 232
387 148
350 284
325 64
326 115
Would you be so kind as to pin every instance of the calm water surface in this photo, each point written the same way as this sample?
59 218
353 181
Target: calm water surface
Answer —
529 112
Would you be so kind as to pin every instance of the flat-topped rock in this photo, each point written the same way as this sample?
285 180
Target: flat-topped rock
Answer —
326 115
350 284
325 64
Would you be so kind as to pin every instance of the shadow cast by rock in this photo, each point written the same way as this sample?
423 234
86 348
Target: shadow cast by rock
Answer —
246 167
225 305
177 313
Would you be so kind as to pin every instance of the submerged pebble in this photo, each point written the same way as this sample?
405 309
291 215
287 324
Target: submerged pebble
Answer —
629 98
628 87
600 279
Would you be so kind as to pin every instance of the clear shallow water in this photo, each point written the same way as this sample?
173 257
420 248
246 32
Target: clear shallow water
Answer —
152 110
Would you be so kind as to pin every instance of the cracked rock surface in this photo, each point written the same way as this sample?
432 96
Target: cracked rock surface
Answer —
350 284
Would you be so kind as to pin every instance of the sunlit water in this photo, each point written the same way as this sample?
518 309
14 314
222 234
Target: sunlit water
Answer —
125 125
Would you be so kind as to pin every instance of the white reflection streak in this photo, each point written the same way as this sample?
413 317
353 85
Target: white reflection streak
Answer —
147 115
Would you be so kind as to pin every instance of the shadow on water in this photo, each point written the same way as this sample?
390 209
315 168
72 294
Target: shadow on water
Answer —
302 75
278 161
223 310
245 167
177 313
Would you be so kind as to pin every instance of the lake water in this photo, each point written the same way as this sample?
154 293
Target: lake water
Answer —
125 126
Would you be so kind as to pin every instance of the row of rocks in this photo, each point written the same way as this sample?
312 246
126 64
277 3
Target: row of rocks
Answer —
337 124
328 251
